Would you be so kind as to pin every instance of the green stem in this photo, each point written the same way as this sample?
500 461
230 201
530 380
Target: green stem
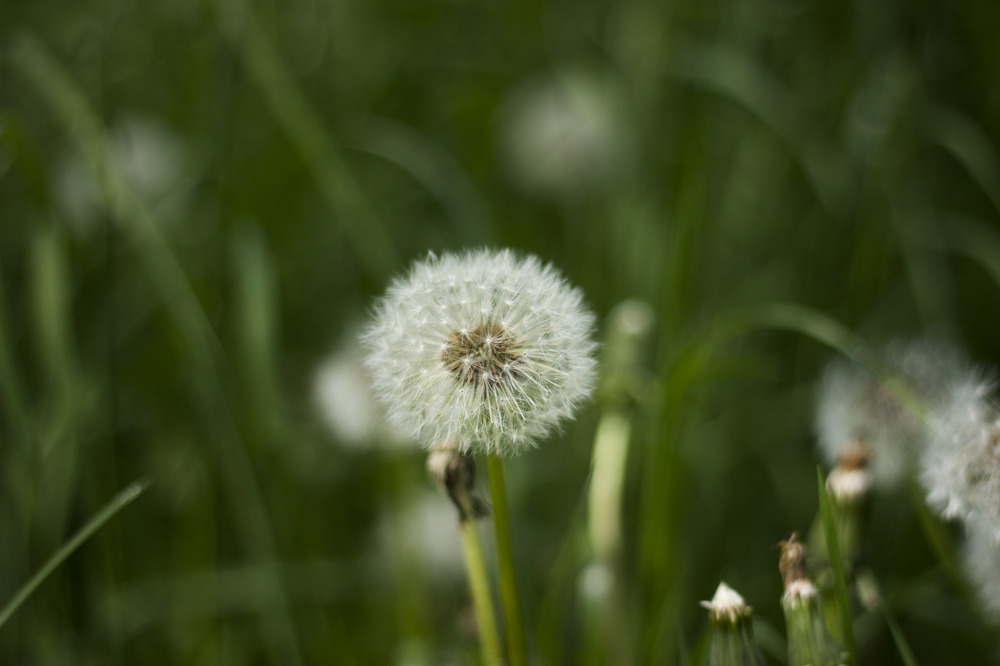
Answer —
840 581
516 652
475 568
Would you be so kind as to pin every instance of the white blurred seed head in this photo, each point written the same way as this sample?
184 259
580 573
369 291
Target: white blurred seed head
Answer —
154 160
853 404
345 400
981 559
483 348
422 530
595 583
960 468
561 137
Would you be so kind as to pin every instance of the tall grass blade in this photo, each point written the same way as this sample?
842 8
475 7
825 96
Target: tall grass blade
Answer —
109 511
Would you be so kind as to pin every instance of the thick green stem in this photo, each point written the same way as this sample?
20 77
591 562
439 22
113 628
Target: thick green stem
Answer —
516 653
475 568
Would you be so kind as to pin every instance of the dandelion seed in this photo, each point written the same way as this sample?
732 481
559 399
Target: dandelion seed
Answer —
509 356
960 468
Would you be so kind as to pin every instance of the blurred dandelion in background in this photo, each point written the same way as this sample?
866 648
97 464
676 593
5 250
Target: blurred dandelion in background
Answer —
856 408
981 562
154 160
562 136
960 469
345 400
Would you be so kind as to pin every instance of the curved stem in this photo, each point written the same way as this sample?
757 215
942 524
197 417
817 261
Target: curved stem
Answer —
505 560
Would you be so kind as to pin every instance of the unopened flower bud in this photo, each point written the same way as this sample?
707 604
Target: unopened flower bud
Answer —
730 632
809 641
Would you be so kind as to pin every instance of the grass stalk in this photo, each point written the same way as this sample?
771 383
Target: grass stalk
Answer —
117 503
514 628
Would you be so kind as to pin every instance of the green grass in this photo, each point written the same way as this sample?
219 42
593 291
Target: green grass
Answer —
788 184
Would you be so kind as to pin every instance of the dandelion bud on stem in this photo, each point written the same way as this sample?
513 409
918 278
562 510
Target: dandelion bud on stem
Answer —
809 641
730 632
848 485
455 473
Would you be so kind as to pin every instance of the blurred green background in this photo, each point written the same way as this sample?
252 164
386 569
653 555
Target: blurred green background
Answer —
200 200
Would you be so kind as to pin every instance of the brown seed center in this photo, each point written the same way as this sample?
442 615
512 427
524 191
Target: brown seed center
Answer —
481 356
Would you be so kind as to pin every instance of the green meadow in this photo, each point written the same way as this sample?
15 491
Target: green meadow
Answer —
202 200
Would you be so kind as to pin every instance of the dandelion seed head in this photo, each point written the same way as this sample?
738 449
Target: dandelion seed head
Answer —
508 356
855 405
960 469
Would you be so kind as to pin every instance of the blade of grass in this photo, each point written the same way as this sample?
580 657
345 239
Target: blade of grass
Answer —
117 503
970 145
11 387
839 580
431 166
70 107
351 208
902 645
737 77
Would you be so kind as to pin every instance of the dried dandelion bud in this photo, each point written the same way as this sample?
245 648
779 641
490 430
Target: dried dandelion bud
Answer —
730 633
848 486
809 641
850 480
454 473
792 562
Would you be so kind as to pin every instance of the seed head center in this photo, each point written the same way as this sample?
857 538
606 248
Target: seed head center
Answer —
485 355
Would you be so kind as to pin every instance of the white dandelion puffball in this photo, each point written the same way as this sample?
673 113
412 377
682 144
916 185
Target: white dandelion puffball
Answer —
854 405
483 348
960 468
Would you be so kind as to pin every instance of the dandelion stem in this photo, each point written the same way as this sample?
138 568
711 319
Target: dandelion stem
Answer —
834 554
475 568
516 653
